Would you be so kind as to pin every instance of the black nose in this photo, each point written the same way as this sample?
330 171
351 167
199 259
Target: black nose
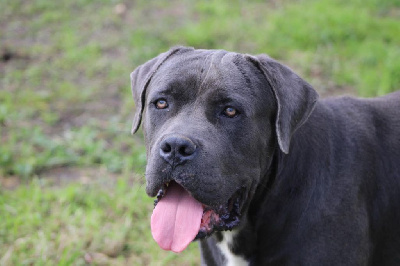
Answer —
177 150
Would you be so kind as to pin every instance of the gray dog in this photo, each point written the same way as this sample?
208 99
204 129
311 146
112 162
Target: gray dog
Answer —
244 157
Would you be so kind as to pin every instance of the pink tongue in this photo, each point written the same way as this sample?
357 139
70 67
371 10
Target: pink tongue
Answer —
176 219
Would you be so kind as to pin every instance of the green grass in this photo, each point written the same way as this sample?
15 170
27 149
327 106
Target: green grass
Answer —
104 222
69 77
65 103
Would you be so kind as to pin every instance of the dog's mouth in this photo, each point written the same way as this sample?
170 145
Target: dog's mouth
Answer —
178 218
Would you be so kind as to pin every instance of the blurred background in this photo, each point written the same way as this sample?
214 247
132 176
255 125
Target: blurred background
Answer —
71 175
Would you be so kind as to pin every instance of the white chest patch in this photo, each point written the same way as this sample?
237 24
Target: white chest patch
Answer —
230 258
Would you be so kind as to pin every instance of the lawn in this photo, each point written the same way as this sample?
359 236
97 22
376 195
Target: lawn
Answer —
71 175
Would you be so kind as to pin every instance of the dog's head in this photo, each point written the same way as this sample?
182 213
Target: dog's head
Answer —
212 120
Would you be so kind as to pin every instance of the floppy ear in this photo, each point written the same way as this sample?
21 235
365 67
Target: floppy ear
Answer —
295 98
140 79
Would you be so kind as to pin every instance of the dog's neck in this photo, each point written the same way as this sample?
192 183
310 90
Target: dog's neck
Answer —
279 190
226 245
240 245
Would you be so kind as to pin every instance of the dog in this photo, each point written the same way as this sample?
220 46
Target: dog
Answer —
244 157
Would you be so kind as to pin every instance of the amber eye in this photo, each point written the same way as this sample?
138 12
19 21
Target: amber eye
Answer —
161 104
230 112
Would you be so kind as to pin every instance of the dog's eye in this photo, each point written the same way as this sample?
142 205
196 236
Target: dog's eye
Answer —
230 112
161 104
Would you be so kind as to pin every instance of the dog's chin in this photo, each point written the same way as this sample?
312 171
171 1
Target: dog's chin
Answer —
216 219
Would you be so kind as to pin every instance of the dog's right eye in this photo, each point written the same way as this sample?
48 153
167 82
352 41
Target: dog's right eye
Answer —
230 112
161 104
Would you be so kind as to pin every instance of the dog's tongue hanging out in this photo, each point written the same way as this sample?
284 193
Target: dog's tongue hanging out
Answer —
176 219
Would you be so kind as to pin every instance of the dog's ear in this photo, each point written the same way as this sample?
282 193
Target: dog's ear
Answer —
294 96
140 79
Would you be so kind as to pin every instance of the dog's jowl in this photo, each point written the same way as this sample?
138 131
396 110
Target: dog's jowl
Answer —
244 157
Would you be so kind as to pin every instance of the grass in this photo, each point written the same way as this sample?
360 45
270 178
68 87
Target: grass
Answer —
65 104
77 224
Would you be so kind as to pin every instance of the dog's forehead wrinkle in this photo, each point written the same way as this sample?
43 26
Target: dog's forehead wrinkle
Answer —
233 85
203 74
219 67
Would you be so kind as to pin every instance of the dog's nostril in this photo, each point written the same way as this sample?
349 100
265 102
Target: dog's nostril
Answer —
182 151
166 147
187 150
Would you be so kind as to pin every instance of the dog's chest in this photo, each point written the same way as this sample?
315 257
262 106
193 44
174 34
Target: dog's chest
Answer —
225 245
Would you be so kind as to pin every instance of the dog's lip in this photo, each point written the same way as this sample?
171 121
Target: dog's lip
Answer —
161 192
226 217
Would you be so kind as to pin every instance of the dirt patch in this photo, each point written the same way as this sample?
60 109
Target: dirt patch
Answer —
60 176
9 182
